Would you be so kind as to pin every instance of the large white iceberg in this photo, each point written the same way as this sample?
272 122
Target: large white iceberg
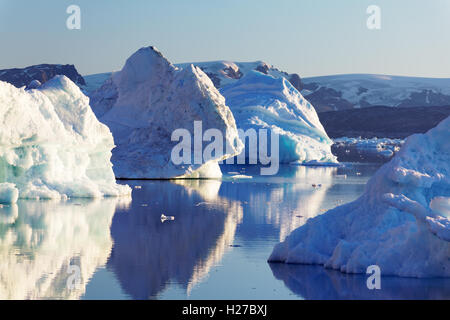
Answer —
145 102
400 223
263 101
52 145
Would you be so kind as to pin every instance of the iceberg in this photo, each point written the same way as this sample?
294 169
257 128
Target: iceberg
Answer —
145 102
52 146
224 72
263 101
400 223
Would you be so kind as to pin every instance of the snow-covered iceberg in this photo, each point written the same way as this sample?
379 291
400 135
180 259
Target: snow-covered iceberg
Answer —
223 73
263 101
52 145
150 98
400 223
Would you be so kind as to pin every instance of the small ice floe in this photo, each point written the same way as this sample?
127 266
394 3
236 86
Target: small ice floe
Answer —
241 176
144 205
138 187
166 218
204 204
358 173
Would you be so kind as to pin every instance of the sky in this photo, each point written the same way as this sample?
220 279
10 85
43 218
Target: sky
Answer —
308 37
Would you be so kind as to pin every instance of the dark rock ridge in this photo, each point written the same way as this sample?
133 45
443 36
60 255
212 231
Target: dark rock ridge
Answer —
42 73
382 122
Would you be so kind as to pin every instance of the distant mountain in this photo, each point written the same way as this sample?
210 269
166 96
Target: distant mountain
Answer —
42 73
385 122
223 72
349 91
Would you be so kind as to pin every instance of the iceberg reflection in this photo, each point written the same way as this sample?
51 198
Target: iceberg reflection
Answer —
317 283
148 255
285 201
41 240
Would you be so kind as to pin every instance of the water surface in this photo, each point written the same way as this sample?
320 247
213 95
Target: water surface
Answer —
216 248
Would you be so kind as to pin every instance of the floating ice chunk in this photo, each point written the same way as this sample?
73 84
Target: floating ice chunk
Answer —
399 223
51 144
166 218
8 193
241 176
366 150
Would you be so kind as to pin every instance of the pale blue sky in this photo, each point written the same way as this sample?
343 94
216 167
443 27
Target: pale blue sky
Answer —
310 37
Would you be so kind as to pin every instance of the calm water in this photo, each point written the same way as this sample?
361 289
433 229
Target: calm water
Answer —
216 248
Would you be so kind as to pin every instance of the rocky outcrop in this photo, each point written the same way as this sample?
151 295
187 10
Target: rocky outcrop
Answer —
42 73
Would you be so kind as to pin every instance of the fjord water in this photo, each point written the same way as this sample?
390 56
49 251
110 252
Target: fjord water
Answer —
216 247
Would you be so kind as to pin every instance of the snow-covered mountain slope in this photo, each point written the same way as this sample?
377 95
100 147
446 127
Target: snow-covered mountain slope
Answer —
262 101
339 92
401 223
150 98
224 72
42 73
52 145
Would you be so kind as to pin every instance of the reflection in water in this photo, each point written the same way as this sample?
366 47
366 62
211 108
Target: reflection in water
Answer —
150 259
286 201
318 283
40 239
305 200
148 254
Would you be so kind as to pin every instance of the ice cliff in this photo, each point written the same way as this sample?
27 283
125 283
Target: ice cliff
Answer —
52 145
263 101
